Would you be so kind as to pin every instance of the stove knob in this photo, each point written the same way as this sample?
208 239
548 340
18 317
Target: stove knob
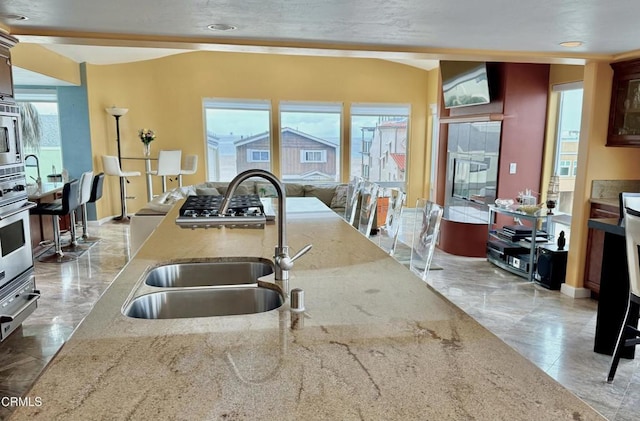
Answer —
19 187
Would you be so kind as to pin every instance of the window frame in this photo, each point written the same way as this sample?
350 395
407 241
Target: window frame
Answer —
305 160
250 153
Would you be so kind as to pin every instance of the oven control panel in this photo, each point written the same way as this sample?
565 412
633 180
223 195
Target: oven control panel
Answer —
13 189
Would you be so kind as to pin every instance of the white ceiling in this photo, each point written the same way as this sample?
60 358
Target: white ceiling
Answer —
393 29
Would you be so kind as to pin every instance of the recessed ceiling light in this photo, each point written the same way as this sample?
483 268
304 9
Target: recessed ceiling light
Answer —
222 27
571 44
12 17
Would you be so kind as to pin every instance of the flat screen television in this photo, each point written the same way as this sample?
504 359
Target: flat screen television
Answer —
464 83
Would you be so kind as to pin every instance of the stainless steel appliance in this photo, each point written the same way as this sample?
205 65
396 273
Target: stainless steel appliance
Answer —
18 295
10 146
203 212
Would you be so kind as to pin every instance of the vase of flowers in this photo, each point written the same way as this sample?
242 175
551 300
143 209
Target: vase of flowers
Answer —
146 136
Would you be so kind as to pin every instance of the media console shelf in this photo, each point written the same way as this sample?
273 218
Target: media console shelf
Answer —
517 256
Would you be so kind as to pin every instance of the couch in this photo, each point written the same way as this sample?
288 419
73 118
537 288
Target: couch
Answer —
147 219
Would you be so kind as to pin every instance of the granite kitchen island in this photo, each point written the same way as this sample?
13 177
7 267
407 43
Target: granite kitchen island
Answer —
377 344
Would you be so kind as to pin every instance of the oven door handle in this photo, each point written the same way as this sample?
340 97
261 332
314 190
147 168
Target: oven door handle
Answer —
22 208
33 296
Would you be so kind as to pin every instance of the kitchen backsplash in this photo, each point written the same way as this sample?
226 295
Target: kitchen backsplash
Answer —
609 189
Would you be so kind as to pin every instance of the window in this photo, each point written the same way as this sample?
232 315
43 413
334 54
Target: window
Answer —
569 97
313 156
310 141
49 147
564 167
379 142
254 155
237 137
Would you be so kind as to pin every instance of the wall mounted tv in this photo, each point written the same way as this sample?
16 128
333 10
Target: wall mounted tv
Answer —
464 83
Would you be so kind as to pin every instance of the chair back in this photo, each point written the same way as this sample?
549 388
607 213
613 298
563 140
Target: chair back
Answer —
70 196
86 182
621 197
425 236
369 196
96 188
632 236
388 235
169 162
190 164
111 165
353 194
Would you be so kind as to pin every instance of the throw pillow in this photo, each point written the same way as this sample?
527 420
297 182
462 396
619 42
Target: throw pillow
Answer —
325 194
339 199
207 191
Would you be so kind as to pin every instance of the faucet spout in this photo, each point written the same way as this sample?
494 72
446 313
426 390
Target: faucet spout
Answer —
283 263
233 185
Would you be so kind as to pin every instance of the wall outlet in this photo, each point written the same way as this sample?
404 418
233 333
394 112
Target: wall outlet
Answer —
512 168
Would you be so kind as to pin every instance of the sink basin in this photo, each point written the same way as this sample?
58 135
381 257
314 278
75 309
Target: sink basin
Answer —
198 274
185 303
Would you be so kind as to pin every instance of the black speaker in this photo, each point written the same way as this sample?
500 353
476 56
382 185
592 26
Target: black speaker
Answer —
551 266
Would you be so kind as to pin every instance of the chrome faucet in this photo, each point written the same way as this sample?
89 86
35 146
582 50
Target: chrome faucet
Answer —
283 262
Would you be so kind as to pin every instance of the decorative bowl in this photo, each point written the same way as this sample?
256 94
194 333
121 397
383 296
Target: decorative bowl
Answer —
504 203
530 209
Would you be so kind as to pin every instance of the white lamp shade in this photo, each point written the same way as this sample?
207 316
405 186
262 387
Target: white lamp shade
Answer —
117 112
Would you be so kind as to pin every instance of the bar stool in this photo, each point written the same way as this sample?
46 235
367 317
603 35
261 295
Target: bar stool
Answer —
190 167
112 167
388 233
629 333
168 165
369 196
96 194
86 180
70 201
425 236
353 194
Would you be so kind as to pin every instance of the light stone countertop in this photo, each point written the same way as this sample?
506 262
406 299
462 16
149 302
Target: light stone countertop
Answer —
377 344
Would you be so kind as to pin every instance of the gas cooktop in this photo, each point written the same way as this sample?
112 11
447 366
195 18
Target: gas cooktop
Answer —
202 211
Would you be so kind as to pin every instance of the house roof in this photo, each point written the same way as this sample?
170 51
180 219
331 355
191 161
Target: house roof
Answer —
262 136
400 160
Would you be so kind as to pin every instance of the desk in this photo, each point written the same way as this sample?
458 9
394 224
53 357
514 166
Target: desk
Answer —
614 287
147 170
47 192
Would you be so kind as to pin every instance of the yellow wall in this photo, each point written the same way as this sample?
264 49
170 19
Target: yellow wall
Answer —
595 162
41 60
166 95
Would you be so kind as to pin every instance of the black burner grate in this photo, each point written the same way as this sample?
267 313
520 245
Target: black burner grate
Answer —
211 204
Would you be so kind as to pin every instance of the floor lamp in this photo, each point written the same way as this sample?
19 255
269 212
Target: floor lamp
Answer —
117 113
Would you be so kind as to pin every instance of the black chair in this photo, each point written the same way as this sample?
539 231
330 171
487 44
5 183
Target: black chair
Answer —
86 182
70 201
629 335
96 194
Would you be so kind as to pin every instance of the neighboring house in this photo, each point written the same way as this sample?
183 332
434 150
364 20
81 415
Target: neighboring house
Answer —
302 156
385 154
213 156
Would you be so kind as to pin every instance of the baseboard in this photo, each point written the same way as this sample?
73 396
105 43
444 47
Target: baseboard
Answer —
575 292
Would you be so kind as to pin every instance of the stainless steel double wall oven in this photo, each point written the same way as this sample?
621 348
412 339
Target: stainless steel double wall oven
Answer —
18 294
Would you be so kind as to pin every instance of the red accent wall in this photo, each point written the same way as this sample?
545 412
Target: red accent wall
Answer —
526 88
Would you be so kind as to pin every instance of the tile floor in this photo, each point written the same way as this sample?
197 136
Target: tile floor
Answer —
552 330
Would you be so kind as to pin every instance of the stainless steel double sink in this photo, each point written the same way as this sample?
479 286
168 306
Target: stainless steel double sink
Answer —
224 287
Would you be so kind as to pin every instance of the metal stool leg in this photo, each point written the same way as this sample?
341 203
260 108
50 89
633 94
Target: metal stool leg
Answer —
58 256
73 246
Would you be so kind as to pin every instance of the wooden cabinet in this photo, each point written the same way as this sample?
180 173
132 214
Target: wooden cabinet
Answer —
624 114
6 77
595 248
